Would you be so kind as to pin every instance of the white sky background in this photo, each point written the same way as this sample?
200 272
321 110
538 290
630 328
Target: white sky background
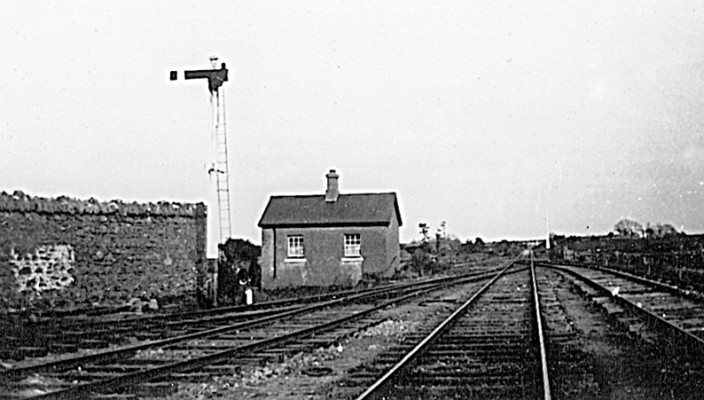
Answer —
477 113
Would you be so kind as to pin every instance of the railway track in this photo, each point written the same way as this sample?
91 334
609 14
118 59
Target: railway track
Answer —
638 355
489 347
70 334
658 303
131 368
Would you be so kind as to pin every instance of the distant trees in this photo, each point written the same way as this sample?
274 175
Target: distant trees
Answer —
660 231
632 229
420 260
628 228
468 246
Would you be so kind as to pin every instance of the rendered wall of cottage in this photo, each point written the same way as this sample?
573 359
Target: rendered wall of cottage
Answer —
393 258
64 253
324 263
266 259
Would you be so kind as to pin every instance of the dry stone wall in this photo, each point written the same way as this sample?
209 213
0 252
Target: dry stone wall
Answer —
64 253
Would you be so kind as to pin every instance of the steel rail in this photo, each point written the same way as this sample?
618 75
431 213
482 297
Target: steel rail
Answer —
652 318
660 285
690 294
253 309
287 304
128 351
134 378
293 303
258 309
377 388
541 334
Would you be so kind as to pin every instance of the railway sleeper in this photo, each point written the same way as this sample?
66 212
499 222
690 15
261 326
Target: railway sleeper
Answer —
204 347
323 340
652 295
462 392
479 385
469 369
81 376
461 342
295 347
110 368
118 396
468 356
55 338
155 389
26 385
252 337
148 335
62 347
637 291
486 338
562 338
93 344
223 369
235 336
86 334
32 351
464 329
696 331
691 315
475 331
481 325
113 330
448 377
179 332
190 377
146 362
462 346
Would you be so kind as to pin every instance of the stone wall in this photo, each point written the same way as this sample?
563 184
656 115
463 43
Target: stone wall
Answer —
64 253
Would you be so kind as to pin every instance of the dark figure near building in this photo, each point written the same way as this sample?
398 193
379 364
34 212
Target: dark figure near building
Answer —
255 275
238 270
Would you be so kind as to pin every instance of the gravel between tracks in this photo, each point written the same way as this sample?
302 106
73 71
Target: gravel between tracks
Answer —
289 380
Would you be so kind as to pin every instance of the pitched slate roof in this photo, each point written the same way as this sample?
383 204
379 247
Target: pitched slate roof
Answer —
363 209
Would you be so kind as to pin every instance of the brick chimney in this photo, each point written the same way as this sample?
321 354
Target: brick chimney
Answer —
332 193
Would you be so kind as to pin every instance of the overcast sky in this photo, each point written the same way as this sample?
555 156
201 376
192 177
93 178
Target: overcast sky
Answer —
484 114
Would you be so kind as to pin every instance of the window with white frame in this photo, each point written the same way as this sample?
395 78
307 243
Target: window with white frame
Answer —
295 246
353 245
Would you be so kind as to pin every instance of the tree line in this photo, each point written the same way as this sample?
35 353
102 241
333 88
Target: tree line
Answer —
634 230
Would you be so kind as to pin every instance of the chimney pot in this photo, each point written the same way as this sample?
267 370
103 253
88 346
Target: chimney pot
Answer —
332 192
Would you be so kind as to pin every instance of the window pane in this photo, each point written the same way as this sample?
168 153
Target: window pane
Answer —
295 246
353 245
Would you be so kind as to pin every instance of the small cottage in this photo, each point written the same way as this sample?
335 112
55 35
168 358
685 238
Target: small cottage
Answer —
329 240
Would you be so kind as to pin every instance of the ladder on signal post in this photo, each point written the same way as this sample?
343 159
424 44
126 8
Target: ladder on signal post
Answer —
220 167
